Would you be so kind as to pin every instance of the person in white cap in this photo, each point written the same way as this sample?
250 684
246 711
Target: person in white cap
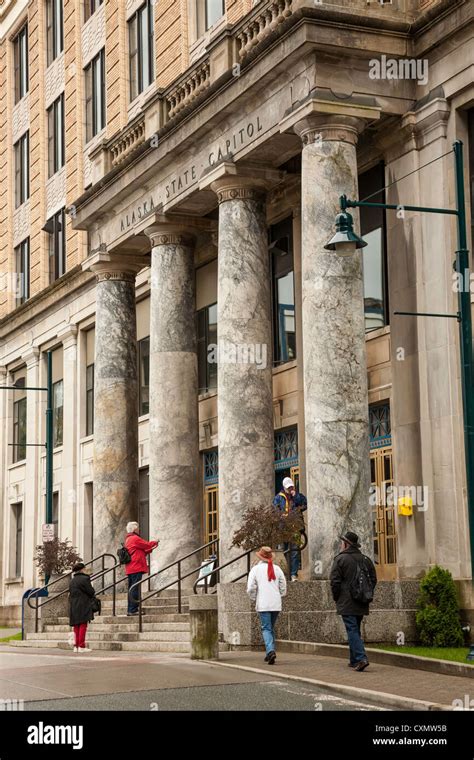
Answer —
287 500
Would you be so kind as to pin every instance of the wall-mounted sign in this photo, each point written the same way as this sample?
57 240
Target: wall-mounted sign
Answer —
48 532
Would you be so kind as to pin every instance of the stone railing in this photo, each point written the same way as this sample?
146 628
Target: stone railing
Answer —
263 24
128 141
186 91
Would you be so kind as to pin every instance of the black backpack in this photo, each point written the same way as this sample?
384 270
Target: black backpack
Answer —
124 556
361 587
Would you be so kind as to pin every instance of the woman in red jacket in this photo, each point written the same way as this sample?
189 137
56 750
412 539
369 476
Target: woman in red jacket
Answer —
138 549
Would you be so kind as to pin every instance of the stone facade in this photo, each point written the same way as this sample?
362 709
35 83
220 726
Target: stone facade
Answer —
254 123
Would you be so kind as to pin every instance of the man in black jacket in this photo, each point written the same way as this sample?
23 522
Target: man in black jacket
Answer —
343 573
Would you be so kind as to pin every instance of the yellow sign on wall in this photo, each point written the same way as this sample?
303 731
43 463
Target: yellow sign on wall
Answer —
405 506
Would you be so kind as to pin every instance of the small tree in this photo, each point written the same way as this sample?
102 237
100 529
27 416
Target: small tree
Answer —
266 525
437 620
56 556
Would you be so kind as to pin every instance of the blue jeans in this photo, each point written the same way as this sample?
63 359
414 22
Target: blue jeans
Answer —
133 578
267 622
295 558
356 645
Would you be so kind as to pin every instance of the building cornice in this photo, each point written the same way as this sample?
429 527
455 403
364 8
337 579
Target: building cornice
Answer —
48 298
321 16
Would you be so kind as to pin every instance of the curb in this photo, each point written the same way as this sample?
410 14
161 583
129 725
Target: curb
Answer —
395 659
377 698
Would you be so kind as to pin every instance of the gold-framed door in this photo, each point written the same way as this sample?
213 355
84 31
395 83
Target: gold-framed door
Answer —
295 476
383 513
211 516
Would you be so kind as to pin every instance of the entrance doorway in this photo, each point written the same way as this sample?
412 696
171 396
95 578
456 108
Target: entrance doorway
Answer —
383 508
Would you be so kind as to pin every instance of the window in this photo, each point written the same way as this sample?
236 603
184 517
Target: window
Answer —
90 7
141 49
372 226
58 413
22 169
207 338
17 540
144 368
283 290
19 430
55 515
56 136
90 399
214 11
20 59
470 117
144 502
95 96
54 29
22 271
56 228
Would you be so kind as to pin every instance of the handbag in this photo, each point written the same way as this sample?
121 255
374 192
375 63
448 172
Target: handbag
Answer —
96 605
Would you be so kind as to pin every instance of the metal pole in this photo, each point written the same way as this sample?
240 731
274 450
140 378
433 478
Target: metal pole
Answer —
465 329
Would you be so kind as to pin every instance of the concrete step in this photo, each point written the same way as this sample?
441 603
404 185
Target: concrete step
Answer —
164 617
121 627
179 647
43 644
156 646
113 636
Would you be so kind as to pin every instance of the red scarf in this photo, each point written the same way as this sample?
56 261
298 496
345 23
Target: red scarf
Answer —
271 571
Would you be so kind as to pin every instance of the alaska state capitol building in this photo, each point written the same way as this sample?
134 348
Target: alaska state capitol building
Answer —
170 171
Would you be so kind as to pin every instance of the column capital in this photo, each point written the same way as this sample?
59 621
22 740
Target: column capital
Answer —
68 336
30 356
115 265
176 229
323 118
240 182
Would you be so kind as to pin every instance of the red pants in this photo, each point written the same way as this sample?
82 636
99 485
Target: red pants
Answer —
80 635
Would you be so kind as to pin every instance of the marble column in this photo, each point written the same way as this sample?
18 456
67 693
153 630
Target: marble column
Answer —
115 398
334 358
245 410
175 488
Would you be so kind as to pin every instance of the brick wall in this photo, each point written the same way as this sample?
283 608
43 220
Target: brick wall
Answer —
4 242
172 57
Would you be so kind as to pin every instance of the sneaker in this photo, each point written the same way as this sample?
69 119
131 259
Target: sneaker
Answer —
266 658
271 658
350 665
131 614
84 649
76 649
361 665
294 578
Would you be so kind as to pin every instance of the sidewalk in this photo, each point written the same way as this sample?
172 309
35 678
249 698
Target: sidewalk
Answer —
379 680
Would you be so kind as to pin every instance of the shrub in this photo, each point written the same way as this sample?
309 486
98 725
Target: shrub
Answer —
437 620
266 525
56 557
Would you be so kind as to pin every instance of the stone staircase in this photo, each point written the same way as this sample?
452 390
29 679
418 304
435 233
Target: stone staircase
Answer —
164 628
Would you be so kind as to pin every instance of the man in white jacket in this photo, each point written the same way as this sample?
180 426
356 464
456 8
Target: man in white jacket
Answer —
266 586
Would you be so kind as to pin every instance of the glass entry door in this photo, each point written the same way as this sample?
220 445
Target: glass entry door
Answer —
383 513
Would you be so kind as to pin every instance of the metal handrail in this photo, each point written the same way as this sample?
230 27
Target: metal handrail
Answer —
178 580
35 593
247 554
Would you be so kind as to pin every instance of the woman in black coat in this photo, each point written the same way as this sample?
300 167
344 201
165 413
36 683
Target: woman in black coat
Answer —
81 594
